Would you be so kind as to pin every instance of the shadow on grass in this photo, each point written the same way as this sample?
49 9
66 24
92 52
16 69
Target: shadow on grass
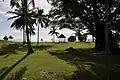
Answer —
3 69
11 49
91 64
18 74
7 71
42 47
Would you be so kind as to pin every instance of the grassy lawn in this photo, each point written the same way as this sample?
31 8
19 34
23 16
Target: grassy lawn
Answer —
51 57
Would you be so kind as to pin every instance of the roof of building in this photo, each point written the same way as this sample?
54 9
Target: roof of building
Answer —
61 36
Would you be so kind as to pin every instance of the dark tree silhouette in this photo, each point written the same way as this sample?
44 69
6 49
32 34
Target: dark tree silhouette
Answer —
10 37
27 23
91 14
24 19
53 32
72 39
41 20
5 38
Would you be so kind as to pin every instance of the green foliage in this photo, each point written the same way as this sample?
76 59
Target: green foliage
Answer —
53 31
91 15
41 18
19 17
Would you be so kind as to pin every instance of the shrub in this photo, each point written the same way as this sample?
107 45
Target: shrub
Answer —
5 38
72 39
10 37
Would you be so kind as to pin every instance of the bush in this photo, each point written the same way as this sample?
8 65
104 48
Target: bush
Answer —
10 37
5 38
72 39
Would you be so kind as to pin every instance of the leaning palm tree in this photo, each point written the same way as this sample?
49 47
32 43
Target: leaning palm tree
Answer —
19 22
19 13
26 21
53 32
42 21
23 21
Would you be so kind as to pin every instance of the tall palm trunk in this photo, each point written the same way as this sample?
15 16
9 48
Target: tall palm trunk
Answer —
24 36
106 30
30 50
30 36
53 37
38 34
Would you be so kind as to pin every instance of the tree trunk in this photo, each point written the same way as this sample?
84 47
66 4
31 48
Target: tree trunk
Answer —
24 36
100 38
38 34
100 30
30 35
113 42
53 37
106 30
30 50
102 43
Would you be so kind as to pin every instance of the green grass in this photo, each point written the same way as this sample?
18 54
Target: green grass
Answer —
93 67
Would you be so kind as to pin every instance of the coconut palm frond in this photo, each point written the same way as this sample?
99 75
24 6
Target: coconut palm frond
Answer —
12 17
14 3
32 2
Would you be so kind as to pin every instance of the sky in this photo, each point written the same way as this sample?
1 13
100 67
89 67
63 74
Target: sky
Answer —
5 24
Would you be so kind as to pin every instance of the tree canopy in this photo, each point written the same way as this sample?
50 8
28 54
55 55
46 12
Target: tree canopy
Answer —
91 15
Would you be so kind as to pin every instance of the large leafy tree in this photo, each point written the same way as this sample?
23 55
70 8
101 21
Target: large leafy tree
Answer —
91 13
61 19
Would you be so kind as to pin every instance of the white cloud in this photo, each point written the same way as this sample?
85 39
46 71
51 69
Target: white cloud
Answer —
43 4
2 12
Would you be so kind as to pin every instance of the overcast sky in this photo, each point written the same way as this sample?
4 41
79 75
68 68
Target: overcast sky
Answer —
5 25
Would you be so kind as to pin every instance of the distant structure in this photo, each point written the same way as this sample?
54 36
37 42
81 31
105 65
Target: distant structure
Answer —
41 39
61 38
89 38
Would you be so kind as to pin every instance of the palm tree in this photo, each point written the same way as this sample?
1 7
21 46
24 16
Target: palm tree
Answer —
20 20
31 32
15 3
42 21
27 23
24 36
53 32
